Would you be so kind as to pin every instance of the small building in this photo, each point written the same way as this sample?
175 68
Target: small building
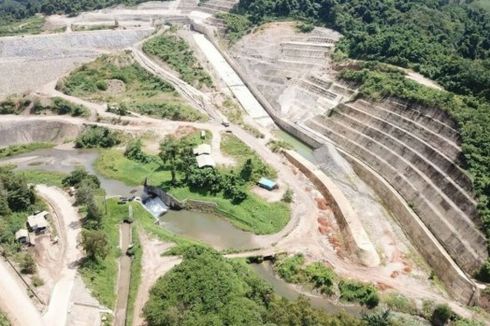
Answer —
268 184
203 149
22 236
203 134
38 223
205 161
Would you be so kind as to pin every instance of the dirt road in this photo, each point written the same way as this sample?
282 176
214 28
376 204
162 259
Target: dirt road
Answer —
70 227
154 266
124 276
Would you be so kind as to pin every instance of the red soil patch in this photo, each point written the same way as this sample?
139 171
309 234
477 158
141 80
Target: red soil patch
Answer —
395 274
383 286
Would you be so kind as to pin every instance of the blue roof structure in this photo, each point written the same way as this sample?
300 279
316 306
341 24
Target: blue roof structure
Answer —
267 183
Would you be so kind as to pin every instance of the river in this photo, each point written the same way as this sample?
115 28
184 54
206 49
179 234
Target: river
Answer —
208 228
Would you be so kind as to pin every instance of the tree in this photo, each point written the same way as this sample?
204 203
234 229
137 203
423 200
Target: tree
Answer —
85 193
378 319
135 152
77 176
95 244
94 214
247 170
169 153
4 205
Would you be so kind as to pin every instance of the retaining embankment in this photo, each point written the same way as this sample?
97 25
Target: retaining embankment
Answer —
352 229
457 283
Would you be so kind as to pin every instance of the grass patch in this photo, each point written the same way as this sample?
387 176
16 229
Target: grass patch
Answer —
120 81
253 214
32 25
400 303
175 51
353 291
23 148
43 177
3 320
17 104
232 146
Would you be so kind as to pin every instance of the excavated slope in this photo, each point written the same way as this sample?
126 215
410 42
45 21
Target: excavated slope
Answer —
15 131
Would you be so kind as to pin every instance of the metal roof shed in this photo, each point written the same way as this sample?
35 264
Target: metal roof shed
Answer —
268 184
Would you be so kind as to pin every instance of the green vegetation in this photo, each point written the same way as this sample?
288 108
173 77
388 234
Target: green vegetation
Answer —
278 145
17 202
127 86
32 25
225 188
236 26
175 51
293 270
445 41
96 136
354 291
43 177
23 148
14 10
3 320
441 315
207 289
400 303
17 104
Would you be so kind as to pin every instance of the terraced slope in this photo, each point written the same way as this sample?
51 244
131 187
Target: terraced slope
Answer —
416 150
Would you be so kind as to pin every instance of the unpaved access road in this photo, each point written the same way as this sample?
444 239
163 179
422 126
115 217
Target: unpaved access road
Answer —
69 228
14 301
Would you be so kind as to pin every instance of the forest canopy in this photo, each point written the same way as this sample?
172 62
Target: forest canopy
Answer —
443 40
18 9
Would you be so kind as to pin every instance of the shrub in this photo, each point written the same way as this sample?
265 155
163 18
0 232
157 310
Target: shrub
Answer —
288 196
441 315
27 264
101 85
321 276
353 291
96 136
37 281
305 27
291 269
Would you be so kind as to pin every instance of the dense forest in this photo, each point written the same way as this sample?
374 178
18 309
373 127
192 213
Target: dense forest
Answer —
445 41
11 10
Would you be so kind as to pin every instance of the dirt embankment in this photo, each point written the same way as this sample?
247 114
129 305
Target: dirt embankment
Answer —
17 131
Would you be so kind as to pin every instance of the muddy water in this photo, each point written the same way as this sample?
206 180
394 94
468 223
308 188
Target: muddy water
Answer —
64 160
300 147
207 228
281 287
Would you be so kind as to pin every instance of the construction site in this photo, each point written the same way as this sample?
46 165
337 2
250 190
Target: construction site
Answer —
381 197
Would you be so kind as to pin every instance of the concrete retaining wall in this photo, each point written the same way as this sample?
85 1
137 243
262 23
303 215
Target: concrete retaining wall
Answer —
456 282
352 229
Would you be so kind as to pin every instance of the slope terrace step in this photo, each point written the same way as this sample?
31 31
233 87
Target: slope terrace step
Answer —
307 45
298 64
468 256
325 83
414 142
336 88
301 53
417 177
434 113
438 177
421 117
316 89
444 145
